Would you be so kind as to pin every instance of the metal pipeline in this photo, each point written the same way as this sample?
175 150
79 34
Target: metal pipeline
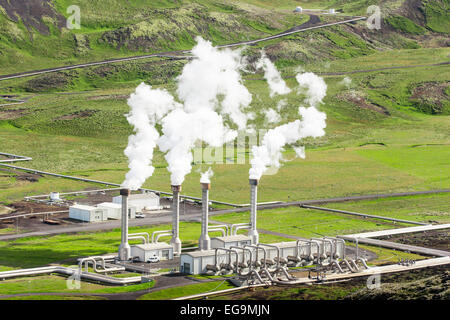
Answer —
69 272
353 263
336 240
144 234
311 256
144 239
267 273
239 228
278 251
324 249
256 256
218 230
157 232
257 276
243 256
363 261
232 232
337 265
162 235
229 251
345 261
220 226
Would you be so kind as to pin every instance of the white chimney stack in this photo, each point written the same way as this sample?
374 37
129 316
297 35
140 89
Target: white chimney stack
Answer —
204 242
253 233
175 241
124 248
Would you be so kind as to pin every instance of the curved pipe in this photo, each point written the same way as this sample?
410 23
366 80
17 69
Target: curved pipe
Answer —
257 276
217 229
324 248
240 228
144 239
157 232
232 232
311 242
257 248
144 234
336 240
267 273
345 261
337 265
69 272
353 263
221 226
168 234
278 251
229 251
288 276
363 261
243 256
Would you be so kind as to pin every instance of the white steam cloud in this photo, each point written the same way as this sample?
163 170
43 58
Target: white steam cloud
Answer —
206 176
276 84
312 124
148 106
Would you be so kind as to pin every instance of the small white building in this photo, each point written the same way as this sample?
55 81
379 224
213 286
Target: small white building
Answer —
195 262
143 201
115 210
87 213
229 241
144 251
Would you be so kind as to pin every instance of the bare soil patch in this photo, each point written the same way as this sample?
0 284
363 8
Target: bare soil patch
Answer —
430 97
30 12
12 114
78 114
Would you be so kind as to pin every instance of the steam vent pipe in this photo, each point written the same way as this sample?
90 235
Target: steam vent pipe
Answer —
176 242
253 233
204 242
124 248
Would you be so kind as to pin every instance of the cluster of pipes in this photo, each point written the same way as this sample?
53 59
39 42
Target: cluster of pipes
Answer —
316 251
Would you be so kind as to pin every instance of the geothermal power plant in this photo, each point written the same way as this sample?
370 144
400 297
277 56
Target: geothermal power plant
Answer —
243 256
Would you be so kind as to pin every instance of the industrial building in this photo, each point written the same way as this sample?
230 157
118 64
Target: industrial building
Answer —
229 241
87 213
143 201
144 251
115 210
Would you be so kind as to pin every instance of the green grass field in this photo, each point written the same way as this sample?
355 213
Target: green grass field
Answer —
387 131
188 290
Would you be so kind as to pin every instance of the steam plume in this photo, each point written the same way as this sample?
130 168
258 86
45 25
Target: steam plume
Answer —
148 106
276 84
312 124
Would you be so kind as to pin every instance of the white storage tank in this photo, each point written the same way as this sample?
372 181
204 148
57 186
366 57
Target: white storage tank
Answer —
87 213
144 201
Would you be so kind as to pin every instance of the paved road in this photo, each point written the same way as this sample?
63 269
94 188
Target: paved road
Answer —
400 246
304 27
195 215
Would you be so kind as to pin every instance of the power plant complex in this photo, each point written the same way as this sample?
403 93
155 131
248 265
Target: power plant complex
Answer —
243 256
